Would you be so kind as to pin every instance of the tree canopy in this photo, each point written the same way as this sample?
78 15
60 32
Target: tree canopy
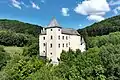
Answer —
20 27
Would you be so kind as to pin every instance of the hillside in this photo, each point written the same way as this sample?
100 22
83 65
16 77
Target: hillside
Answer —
19 27
102 28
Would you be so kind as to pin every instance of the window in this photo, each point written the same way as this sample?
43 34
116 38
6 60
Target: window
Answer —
51 53
58 29
43 44
43 38
50 45
69 43
66 45
63 37
59 37
43 51
66 38
51 29
51 37
63 44
59 45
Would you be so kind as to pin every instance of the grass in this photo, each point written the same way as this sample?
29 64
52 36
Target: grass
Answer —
13 50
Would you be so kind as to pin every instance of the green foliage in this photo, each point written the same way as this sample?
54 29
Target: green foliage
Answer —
79 66
102 28
4 57
45 73
32 50
20 67
100 62
15 39
20 27
112 38
13 49
110 55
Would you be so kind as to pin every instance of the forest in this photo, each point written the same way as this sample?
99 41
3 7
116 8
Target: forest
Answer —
101 60
20 27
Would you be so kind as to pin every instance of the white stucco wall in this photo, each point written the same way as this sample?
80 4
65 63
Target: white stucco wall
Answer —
74 40
41 47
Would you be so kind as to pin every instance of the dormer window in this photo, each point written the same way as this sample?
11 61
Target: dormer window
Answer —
51 29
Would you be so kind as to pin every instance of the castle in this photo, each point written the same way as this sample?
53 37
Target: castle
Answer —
53 39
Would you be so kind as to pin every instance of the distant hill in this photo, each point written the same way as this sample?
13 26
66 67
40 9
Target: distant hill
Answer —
102 28
19 27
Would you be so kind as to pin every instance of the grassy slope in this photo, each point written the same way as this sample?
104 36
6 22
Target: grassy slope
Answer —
12 50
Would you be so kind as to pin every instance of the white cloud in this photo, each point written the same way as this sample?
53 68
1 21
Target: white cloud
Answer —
65 12
95 18
94 9
112 3
116 10
35 5
16 4
115 3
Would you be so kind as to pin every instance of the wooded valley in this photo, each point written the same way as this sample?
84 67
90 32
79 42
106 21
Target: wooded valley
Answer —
19 53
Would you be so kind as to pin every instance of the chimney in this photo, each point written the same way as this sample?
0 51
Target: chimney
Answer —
43 29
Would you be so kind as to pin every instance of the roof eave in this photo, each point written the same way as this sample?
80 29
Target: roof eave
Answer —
53 27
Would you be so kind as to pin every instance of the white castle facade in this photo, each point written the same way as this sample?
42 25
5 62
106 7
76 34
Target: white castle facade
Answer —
53 39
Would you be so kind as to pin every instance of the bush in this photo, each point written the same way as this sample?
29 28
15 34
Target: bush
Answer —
4 57
15 39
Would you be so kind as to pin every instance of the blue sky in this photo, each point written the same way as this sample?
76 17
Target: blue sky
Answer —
69 13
